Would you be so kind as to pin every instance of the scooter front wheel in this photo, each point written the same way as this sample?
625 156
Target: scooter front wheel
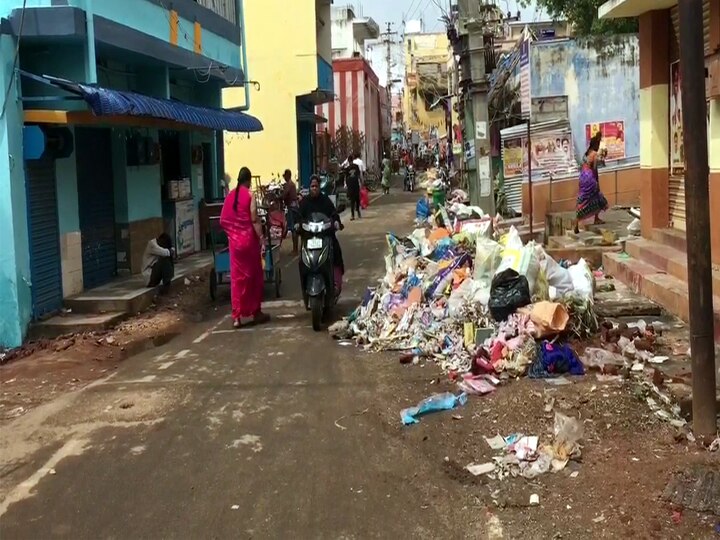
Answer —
317 304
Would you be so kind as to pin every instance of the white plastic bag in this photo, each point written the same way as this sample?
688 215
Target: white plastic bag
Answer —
582 278
468 292
524 260
558 278
488 256
459 297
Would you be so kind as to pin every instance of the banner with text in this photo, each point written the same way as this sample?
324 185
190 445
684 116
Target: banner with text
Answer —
612 146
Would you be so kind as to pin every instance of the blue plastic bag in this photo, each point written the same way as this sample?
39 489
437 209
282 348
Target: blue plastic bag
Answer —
422 209
436 402
553 359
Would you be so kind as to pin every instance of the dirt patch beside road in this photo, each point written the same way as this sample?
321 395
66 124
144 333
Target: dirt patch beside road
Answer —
42 370
614 491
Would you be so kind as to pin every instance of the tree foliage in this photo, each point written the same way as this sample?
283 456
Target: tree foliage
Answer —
583 14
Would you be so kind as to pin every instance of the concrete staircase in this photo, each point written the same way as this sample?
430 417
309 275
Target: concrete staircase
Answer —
657 269
105 306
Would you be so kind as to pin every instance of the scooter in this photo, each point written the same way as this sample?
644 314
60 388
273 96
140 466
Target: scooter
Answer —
320 284
410 179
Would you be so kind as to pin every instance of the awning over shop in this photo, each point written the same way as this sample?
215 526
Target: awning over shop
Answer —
108 102
311 118
615 9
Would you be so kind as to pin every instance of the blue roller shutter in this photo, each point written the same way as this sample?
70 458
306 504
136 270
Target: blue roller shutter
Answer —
96 205
44 237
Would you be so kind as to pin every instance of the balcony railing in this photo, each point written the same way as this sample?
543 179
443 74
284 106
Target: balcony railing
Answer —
224 8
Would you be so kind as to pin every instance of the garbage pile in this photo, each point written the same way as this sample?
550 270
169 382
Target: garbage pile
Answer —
524 456
483 306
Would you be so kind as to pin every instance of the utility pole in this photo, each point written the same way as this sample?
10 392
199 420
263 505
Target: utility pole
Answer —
702 346
388 40
475 23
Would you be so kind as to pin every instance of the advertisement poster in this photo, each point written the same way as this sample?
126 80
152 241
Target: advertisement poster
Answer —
677 150
513 158
612 146
552 154
185 227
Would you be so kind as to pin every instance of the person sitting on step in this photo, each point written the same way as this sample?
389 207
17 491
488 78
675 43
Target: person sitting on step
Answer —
157 266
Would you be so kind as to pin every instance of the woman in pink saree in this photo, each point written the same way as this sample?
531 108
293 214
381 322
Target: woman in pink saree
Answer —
240 221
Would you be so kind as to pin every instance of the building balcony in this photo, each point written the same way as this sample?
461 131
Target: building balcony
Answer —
180 32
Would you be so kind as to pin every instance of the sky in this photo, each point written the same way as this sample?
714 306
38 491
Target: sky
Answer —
395 11
384 11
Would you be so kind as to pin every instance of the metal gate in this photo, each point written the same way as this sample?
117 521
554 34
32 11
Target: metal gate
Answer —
96 205
44 237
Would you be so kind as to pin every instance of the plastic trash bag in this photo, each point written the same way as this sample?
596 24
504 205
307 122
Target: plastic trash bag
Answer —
523 259
434 403
582 278
559 279
508 292
469 292
488 256
422 210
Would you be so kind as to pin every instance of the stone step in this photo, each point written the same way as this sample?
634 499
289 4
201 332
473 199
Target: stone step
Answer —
665 258
671 238
72 323
667 290
94 302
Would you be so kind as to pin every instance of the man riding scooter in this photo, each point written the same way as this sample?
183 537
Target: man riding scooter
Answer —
321 260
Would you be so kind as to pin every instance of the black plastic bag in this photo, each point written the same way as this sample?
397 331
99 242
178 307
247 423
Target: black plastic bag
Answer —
508 292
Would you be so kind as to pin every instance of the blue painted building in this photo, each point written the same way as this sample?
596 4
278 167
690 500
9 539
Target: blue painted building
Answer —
601 79
110 127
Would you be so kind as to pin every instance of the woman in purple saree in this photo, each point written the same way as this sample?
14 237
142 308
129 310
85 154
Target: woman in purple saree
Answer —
591 203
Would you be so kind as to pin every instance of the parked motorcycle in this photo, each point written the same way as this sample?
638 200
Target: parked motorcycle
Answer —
319 278
410 179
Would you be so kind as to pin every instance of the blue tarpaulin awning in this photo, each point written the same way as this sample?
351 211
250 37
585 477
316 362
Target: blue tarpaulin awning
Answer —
109 102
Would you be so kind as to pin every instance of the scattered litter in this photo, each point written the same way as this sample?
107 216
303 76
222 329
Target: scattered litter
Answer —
497 442
574 474
52 471
436 402
483 468
558 381
235 507
600 519
658 359
359 413
534 499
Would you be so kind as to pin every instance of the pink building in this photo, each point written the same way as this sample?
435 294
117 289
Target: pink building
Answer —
357 105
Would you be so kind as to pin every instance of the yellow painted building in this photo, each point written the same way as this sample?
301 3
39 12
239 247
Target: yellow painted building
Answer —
426 80
290 56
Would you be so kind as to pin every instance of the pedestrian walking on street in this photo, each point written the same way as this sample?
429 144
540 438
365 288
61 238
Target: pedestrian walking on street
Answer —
352 183
290 198
157 265
386 172
240 221
591 203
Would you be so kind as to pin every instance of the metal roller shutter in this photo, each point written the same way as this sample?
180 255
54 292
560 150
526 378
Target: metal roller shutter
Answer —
96 205
675 16
44 237
676 195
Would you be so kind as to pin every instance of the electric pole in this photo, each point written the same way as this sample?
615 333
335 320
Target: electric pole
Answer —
702 346
475 36
388 40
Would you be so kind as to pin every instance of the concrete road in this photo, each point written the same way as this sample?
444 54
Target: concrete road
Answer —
271 432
